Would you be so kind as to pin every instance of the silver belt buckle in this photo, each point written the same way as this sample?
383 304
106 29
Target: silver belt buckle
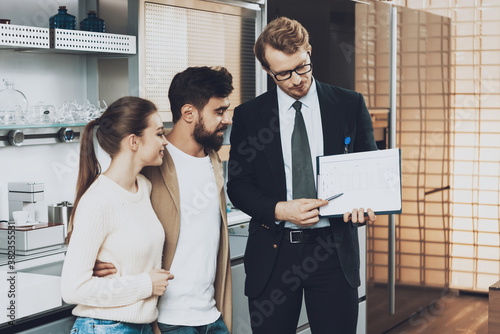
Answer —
291 237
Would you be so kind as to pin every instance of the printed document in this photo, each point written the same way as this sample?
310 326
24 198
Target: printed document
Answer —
365 180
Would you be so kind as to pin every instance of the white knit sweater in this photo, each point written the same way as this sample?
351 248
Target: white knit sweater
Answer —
114 225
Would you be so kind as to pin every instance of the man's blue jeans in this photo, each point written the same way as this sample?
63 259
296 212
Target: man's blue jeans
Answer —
217 327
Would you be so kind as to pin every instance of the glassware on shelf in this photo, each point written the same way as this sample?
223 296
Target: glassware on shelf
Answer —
13 105
73 112
48 114
93 23
41 113
62 20
35 112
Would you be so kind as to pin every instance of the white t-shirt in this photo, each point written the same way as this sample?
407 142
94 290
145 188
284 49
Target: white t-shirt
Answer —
189 299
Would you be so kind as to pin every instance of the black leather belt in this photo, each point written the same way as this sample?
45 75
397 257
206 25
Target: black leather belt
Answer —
305 236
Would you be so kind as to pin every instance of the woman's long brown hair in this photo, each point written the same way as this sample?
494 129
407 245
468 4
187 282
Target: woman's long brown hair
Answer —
127 115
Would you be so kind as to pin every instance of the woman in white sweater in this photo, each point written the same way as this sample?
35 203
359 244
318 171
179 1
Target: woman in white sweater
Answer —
113 221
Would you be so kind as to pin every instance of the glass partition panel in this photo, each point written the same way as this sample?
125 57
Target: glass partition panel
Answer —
423 135
474 141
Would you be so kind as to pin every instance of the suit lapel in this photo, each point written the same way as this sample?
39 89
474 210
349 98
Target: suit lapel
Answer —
269 130
332 120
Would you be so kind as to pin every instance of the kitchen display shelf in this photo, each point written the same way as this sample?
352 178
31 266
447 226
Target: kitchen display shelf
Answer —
32 126
62 40
24 36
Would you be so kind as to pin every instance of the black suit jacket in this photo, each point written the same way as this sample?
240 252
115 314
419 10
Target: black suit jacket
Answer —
257 175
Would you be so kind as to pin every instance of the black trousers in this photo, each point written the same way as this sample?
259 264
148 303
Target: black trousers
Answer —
311 270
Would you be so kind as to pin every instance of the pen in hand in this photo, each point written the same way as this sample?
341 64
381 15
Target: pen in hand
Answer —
334 197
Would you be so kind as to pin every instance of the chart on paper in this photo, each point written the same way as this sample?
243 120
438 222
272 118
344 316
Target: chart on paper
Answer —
366 180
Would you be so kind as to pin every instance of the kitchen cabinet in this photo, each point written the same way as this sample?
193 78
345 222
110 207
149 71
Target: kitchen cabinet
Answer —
58 326
33 309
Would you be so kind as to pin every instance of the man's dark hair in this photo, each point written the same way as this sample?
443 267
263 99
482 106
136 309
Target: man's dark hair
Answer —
196 85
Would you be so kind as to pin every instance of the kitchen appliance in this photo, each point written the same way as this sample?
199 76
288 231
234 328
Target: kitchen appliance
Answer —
33 237
26 196
60 213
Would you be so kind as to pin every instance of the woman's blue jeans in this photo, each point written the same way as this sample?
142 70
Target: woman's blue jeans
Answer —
98 326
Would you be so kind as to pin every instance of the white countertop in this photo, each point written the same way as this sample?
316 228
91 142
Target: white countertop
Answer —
235 217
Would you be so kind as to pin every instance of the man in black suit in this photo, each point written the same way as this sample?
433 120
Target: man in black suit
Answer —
291 251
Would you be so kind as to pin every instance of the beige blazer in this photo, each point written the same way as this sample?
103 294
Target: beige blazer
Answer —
165 198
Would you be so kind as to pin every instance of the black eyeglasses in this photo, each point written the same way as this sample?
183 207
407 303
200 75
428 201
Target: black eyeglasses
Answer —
285 75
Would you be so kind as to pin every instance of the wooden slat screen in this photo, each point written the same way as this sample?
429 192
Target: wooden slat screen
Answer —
423 111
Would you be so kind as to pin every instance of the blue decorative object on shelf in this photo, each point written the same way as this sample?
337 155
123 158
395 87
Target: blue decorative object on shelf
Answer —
62 20
93 23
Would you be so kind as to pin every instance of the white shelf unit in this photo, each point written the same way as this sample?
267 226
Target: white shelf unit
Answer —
75 40
24 36
19 37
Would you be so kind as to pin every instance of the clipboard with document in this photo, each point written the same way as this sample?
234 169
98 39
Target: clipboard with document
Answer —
360 180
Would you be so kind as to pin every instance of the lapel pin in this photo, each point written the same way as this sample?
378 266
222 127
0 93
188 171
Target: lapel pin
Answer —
347 141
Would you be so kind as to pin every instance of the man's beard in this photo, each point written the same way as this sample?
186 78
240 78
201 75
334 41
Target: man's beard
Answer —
205 138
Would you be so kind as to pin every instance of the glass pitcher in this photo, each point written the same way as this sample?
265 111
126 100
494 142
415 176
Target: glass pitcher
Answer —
13 105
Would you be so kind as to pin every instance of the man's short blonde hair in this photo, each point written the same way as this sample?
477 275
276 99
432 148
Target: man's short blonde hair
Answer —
283 34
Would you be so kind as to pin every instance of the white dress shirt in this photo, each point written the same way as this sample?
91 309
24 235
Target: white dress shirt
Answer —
312 118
